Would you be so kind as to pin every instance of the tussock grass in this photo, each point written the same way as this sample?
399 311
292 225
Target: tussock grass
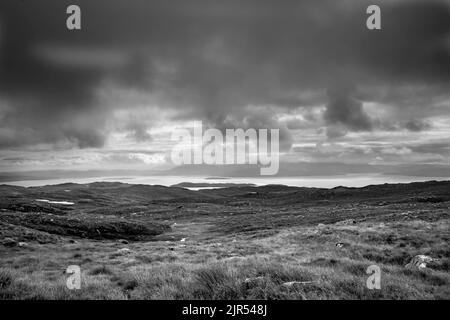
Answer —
101 270
6 278
248 268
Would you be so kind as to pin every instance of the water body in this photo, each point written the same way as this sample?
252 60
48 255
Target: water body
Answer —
67 203
318 182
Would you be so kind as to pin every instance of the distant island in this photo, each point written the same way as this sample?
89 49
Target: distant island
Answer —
211 185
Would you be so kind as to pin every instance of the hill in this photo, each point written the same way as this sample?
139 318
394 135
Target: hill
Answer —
245 242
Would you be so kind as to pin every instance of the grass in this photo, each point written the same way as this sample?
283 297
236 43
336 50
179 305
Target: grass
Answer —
6 278
321 270
237 248
101 270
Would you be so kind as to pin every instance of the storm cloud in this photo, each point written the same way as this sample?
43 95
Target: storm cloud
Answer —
216 61
343 109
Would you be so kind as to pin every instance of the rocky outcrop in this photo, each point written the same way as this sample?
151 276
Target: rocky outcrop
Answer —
421 261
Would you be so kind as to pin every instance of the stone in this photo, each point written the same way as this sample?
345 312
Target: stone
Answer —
420 261
345 222
292 283
9 242
253 279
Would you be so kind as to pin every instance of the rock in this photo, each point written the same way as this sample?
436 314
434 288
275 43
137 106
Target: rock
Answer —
345 222
292 283
9 242
339 245
312 232
129 260
420 261
22 244
72 241
183 240
320 225
124 250
251 282
88 226
431 199
253 279
123 241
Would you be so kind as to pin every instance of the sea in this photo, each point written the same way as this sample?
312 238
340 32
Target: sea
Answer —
350 180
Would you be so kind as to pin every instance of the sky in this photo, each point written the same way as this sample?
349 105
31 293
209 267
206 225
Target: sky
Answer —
109 96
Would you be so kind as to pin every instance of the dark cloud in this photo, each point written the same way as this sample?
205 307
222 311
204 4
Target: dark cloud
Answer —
345 110
336 131
442 148
262 119
417 125
210 60
138 131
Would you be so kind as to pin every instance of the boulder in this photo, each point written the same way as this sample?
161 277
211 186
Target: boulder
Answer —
9 242
293 283
124 250
420 262
253 279
345 222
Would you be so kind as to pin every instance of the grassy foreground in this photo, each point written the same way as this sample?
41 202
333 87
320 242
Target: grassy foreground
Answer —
243 268
270 242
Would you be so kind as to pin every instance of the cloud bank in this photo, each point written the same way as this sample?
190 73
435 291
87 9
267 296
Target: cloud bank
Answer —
235 63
